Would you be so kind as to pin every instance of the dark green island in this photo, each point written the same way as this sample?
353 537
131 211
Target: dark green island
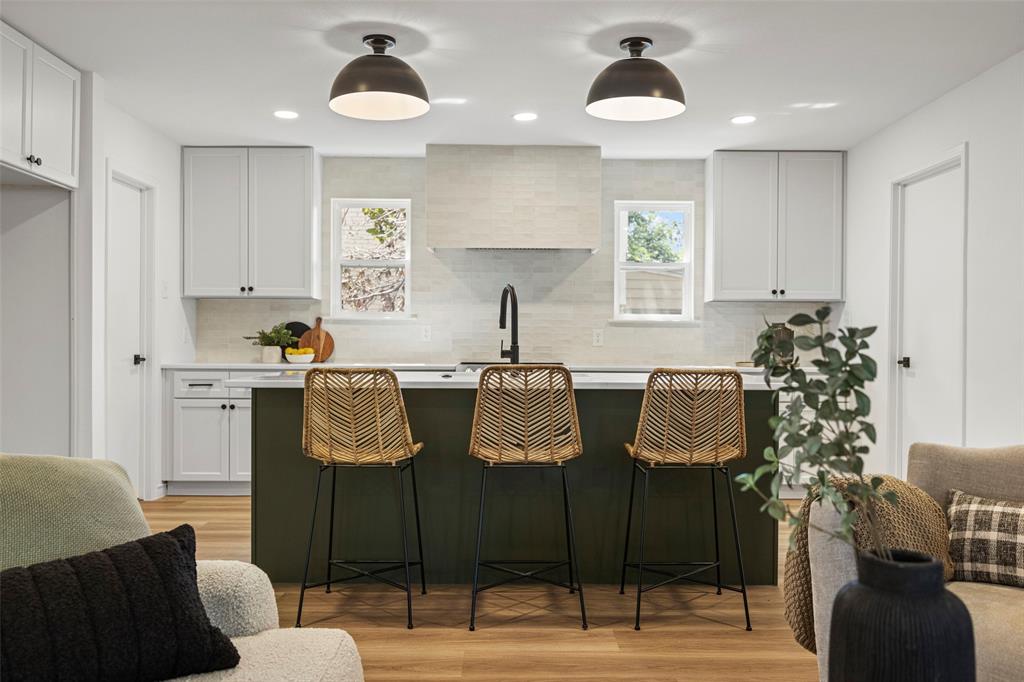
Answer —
524 508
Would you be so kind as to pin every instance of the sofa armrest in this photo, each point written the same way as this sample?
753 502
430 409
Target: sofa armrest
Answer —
833 564
238 597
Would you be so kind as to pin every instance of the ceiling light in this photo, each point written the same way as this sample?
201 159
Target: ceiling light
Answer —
448 100
285 114
824 105
524 116
636 88
800 105
743 120
378 86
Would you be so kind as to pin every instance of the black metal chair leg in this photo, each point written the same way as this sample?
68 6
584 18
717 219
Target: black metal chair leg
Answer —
479 537
419 533
643 532
405 546
736 534
568 538
309 547
714 523
330 536
572 545
629 523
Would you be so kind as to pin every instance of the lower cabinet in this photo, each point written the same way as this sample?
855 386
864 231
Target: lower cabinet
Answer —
240 440
211 432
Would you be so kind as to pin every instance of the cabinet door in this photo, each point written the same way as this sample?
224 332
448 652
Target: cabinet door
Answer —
281 222
56 98
745 226
240 459
215 221
15 95
811 226
201 440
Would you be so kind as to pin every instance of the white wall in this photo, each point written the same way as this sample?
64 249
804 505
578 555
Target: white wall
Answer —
988 114
35 320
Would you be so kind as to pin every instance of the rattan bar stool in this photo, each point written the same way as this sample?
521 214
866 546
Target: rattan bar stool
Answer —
355 418
525 416
690 419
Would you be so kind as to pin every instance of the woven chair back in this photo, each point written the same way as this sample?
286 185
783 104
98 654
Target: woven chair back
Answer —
691 417
525 414
355 416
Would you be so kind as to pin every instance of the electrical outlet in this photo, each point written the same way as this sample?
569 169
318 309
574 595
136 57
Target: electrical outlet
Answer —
425 333
598 337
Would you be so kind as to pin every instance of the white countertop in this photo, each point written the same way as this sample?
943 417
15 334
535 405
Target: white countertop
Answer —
599 380
284 366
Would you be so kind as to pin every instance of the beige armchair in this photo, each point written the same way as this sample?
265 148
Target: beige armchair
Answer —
997 611
56 507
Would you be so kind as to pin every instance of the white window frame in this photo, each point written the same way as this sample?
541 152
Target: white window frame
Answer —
621 224
337 262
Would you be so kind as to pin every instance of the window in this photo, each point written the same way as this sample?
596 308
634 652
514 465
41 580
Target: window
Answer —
653 260
370 257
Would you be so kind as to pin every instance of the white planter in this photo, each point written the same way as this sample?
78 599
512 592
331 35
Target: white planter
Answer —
270 354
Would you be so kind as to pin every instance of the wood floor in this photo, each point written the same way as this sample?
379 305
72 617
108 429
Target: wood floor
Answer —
523 633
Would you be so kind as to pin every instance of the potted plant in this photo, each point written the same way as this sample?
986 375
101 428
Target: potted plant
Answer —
896 621
273 342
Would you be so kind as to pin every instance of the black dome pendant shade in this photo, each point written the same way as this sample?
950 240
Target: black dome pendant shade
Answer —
378 86
636 88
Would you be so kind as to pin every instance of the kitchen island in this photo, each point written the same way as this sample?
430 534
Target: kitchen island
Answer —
524 509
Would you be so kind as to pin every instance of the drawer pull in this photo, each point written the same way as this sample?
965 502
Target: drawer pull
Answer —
200 385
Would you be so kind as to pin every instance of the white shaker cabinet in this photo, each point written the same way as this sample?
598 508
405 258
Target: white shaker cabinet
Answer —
41 110
250 222
774 228
240 440
201 439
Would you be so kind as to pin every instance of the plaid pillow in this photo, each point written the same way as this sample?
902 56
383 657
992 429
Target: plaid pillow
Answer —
986 540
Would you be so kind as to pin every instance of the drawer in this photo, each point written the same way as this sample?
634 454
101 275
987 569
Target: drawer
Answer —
244 392
200 385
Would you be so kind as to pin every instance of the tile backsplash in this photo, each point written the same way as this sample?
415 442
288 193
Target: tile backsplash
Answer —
564 296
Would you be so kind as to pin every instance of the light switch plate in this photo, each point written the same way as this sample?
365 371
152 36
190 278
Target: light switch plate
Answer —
598 337
425 333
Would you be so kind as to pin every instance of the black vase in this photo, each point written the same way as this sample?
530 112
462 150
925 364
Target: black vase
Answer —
897 622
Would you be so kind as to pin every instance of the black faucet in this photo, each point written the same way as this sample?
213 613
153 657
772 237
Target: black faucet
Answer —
513 350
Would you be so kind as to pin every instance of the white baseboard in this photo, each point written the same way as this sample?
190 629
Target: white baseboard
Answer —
209 488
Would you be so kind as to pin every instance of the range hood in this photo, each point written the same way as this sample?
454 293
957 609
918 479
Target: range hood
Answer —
513 197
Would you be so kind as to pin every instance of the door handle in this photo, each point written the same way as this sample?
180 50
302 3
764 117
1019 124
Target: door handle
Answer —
904 362
138 359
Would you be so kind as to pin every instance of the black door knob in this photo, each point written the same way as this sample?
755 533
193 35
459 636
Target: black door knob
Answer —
904 362
138 359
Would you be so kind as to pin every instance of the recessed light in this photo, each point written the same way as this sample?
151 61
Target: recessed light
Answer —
800 105
524 116
824 105
448 100
285 114
743 120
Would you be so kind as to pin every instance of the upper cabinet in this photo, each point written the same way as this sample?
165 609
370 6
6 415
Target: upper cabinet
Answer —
40 112
250 222
774 229
513 197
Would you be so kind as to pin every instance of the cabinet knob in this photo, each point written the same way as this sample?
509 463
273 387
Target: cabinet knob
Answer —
782 292
242 289
31 158
774 292
39 161
250 288
223 407
232 407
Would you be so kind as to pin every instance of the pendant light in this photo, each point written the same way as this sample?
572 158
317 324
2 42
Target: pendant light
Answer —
636 88
378 86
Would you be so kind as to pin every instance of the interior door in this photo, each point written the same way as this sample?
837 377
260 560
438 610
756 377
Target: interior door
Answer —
125 386
55 113
931 311
16 83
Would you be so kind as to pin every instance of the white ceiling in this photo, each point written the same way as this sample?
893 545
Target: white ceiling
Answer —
213 73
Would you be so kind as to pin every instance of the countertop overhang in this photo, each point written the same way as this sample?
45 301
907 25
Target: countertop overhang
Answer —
413 379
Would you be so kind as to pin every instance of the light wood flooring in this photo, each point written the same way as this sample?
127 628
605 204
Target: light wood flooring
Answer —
523 632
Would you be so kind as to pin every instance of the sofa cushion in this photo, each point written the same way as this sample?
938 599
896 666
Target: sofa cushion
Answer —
997 612
130 612
986 539
296 655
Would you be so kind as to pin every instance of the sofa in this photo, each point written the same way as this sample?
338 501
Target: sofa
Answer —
997 611
57 507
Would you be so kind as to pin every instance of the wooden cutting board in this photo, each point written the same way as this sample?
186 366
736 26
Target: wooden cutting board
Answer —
320 340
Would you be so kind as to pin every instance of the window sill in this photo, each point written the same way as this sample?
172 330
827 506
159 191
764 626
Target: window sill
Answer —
616 322
372 319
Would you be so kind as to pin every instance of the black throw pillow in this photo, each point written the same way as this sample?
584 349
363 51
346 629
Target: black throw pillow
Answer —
131 612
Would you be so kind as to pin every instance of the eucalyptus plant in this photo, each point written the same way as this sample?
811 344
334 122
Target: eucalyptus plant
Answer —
824 430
